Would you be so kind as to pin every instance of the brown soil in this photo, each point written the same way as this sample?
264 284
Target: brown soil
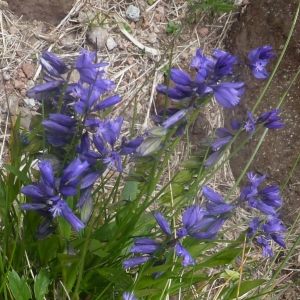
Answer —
51 12
268 22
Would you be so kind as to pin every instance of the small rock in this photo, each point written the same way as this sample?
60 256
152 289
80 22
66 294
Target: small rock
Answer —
85 17
29 102
152 38
21 75
4 5
30 84
133 13
13 30
13 101
97 36
111 44
135 72
6 76
28 69
18 84
23 92
203 31
130 60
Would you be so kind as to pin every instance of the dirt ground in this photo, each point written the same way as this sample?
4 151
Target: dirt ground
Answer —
260 23
266 22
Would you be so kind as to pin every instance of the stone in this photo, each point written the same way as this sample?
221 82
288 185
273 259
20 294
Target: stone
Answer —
13 30
203 31
28 69
97 36
152 38
18 84
6 76
13 101
30 84
111 44
85 17
133 13
29 102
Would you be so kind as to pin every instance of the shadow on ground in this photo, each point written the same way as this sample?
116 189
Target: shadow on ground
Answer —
268 22
51 12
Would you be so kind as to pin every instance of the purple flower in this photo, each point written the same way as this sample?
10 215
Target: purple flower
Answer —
182 252
180 77
163 224
250 124
135 261
129 296
175 118
267 251
130 146
113 161
144 246
270 119
213 158
224 138
224 64
228 93
46 87
259 58
269 230
108 102
265 200
216 204
253 226
108 130
55 62
177 93
50 69
193 221
60 208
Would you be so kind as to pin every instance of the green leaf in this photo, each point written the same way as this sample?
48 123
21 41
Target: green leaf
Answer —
192 163
149 146
65 228
183 176
223 257
17 173
41 283
96 248
129 191
230 275
18 286
147 292
245 287
66 259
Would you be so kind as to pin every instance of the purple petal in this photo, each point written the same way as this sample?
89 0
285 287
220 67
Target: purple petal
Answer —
193 215
135 261
163 224
211 195
182 252
180 77
89 180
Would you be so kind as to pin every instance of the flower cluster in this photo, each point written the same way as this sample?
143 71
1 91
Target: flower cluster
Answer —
267 200
268 119
69 125
198 223
211 78
269 229
48 194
